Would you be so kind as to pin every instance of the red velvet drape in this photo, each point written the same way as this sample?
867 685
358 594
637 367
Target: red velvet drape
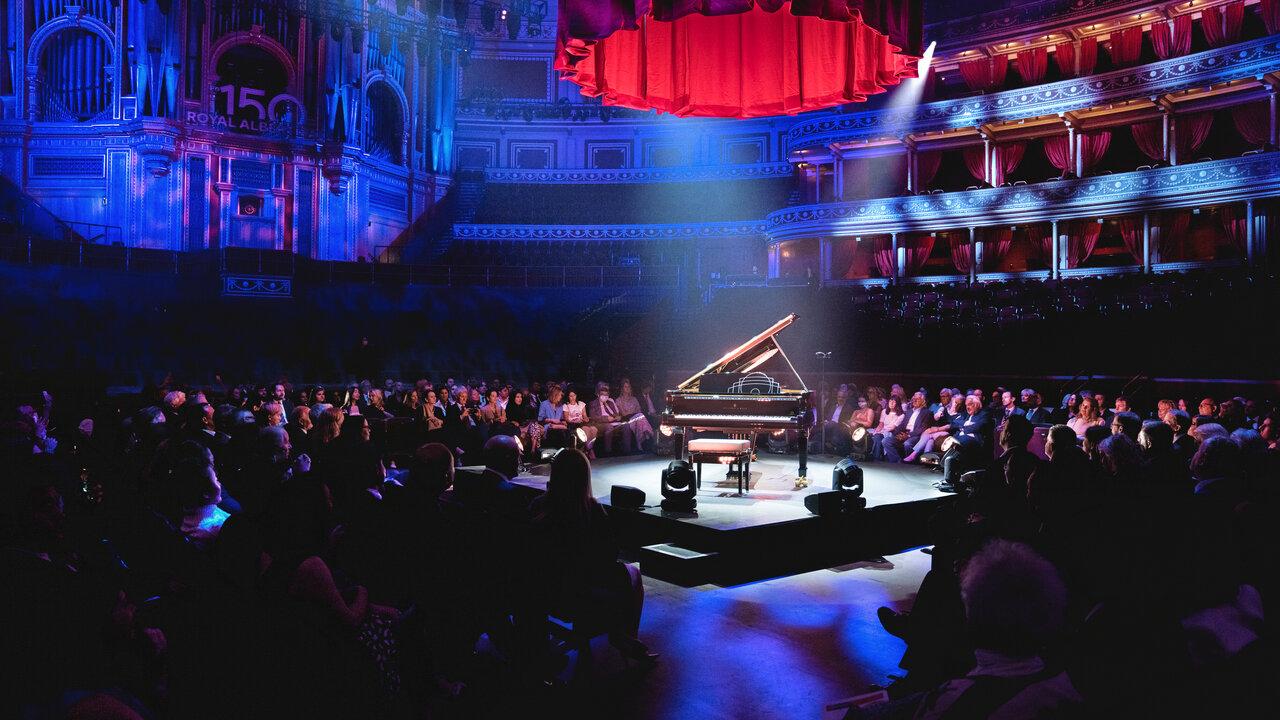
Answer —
1007 158
1271 15
1131 234
927 164
732 58
1253 121
960 254
1041 240
843 252
1077 60
1222 28
1082 236
1234 221
1193 130
975 159
1171 38
1057 149
1173 232
883 256
985 74
1149 137
995 248
1032 64
1094 146
1126 46
918 246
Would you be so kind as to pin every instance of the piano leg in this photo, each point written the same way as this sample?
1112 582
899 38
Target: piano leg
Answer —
802 479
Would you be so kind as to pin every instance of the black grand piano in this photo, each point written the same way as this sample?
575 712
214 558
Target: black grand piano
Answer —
737 394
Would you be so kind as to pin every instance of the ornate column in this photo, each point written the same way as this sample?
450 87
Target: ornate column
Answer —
913 168
979 255
1053 251
1146 243
824 258
973 256
1250 234
896 260
773 261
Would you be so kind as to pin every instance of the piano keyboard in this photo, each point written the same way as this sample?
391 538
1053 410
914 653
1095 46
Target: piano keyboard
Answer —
698 419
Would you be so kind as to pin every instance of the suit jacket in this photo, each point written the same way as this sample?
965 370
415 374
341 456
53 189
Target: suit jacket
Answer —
924 419
846 412
1038 415
978 426
596 412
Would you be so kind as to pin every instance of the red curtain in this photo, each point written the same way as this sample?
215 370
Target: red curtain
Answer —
1057 149
918 248
1131 233
1042 241
883 255
843 253
1082 236
732 58
1253 121
1271 15
1094 146
1222 28
960 254
1032 64
1171 38
975 158
1234 221
1149 137
985 74
1193 130
1065 54
1088 56
927 164
1007 158
1126 46
995 247
1173 231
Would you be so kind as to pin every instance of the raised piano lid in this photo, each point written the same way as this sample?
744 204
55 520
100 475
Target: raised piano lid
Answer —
748 357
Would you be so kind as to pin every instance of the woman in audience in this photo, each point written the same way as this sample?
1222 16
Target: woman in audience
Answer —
1070 406
523 415
1088 416
582 575
889 420
575 416
299 429
432 415
551 417
411 406
376 409
354 403
629 409
940 429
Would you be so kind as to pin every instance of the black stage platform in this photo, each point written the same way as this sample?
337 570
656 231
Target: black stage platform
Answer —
766 531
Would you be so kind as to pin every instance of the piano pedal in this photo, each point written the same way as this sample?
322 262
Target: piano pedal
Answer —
802 482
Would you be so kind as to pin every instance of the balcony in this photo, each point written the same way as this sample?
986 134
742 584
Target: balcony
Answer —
1230 75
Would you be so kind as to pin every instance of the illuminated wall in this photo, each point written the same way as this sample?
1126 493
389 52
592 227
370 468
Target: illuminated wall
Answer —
197 125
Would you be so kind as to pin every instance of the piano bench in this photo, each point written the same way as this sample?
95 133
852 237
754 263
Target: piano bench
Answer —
727 452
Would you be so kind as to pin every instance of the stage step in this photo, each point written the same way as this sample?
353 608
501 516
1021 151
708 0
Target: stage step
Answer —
679 565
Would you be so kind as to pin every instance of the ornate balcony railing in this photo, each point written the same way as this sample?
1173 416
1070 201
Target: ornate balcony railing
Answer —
1199 70
1183 186
683 231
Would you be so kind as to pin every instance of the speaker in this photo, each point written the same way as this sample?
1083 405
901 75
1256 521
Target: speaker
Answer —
827 504
626 497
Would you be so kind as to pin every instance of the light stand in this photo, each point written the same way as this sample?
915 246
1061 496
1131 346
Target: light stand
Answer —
822 391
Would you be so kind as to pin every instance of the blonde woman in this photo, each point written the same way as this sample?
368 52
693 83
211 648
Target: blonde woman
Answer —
1087 416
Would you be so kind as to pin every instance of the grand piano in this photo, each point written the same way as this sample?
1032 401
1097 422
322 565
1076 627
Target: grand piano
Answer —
737 394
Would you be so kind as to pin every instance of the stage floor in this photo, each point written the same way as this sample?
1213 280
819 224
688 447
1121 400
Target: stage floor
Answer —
771 498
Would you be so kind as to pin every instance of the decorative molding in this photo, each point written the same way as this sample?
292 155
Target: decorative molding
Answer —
976 30
257 286
643 175
1196 265
1181 186
608 232
1245 60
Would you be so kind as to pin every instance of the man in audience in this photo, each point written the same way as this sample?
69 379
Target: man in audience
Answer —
1014 602
1269 431
616 436
1036 414
1127 423
944 401
836 421
908 432
1184 444
971 431
1008 408
278 395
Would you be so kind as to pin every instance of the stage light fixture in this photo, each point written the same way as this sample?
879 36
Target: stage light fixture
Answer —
546 455
581 434
861 444
847 476
679 486
947 444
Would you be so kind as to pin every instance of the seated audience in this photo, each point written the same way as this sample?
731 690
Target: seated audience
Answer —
555 431
889 421
1087 416
616 436
630 411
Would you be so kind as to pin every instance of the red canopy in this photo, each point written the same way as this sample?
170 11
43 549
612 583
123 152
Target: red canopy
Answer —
736 58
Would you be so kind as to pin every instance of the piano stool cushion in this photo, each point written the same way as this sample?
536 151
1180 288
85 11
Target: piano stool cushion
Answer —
719 445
